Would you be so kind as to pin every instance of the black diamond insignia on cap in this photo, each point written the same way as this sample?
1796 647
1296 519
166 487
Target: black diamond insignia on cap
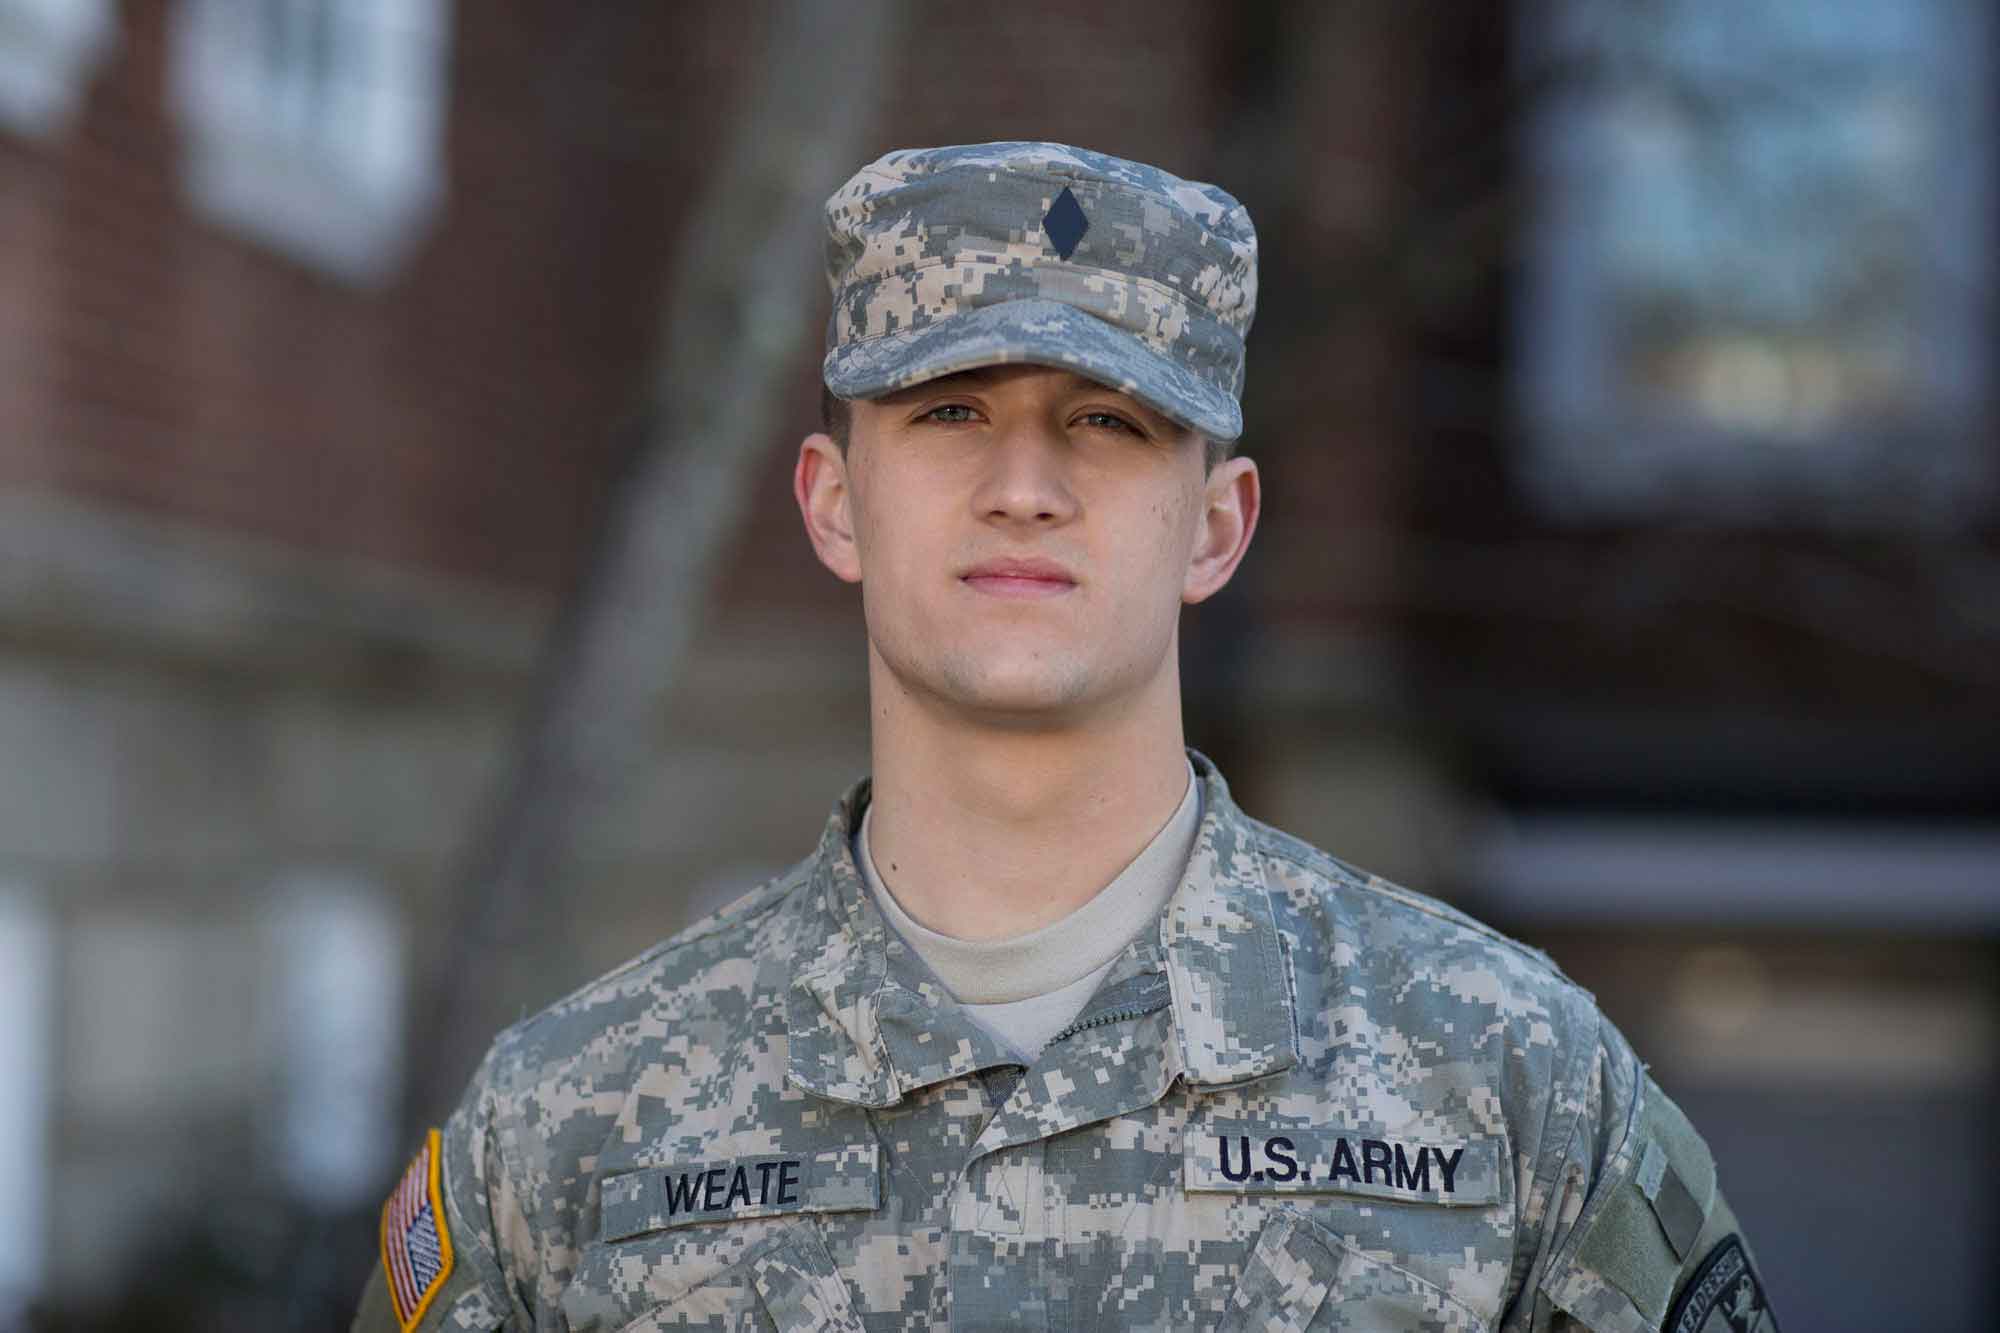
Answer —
1064 224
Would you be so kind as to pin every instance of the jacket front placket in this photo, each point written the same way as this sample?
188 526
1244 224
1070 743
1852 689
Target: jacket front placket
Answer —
1203 1001
871 1027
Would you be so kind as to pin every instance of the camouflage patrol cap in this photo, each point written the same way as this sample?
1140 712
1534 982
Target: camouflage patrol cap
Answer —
944 259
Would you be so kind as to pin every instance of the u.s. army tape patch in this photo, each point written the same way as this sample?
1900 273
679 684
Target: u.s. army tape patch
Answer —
1724 1297
416 1243
1234 1156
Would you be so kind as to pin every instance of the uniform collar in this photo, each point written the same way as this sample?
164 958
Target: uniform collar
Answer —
868 1023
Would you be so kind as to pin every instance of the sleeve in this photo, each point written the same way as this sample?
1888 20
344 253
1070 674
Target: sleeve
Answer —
447 1232
1640 1238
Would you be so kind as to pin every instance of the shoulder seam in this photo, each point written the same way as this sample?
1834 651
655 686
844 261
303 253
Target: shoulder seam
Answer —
775 890
1271 842
1596 1200
1559 1132
489 1111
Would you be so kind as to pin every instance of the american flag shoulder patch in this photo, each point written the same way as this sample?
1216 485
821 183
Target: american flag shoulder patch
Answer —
416 1244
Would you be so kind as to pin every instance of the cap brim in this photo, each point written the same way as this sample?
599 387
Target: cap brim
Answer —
1033 332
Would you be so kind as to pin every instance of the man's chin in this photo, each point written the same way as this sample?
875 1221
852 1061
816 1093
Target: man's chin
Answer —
1013 688
1027 700
1022 711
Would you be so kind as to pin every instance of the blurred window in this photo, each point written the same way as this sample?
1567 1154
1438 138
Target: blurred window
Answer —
27 995
48 51
1823 874
337 956
1757 275
315 126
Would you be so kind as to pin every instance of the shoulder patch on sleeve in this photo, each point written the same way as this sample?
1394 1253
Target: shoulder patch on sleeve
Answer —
1642 1224
416 1242
1725 1296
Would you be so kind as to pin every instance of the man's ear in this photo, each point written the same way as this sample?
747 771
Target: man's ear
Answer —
1230 500
819 484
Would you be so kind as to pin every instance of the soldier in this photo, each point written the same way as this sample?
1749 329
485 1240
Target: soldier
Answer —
1047 1032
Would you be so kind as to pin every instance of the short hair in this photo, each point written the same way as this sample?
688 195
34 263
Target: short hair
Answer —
836 416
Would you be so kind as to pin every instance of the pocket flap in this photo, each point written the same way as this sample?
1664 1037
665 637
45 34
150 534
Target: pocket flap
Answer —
800 1288
772 1273
1297 1269
1284 1282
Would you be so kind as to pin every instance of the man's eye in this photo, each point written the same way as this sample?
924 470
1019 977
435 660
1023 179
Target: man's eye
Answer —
1109 420
949 413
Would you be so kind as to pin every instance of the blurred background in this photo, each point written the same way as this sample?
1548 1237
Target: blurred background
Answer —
404 616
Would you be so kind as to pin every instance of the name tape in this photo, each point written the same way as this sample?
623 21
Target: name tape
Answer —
1248 1159
723 1189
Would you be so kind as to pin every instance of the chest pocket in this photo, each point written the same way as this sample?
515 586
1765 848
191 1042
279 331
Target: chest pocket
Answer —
1299 1276
781 1279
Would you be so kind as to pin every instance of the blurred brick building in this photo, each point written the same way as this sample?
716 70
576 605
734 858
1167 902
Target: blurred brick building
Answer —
326 331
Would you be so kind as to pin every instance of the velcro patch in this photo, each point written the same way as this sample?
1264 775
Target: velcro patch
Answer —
416 1243
1246 1158
1681 1215
1724 1296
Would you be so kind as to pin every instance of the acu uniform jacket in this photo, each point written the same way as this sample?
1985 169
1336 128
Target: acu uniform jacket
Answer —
1307 1100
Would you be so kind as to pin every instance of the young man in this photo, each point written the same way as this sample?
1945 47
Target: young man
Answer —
1048 1033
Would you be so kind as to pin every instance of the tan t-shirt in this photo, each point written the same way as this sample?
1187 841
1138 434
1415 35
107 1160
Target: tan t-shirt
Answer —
1026 989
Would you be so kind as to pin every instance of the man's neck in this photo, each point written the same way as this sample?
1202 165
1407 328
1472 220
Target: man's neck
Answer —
986 833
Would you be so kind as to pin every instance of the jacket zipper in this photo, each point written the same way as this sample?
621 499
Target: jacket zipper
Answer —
1100 1020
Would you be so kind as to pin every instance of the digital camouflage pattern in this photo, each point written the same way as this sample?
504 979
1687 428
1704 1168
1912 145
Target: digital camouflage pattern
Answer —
945 259
1308 1100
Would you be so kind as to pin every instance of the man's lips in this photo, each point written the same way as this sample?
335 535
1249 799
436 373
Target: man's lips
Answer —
1019 578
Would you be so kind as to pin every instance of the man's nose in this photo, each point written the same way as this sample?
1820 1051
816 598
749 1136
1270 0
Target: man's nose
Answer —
1027 475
